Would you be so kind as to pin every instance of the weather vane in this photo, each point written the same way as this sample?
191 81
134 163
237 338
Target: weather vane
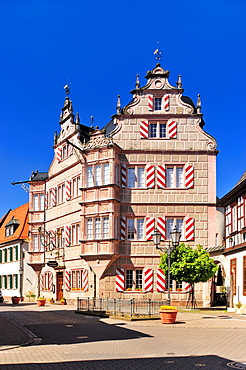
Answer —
157 53
67 89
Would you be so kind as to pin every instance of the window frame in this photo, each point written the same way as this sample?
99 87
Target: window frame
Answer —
157 103
132 279
175 223
176 182
139 178
136 227
160 125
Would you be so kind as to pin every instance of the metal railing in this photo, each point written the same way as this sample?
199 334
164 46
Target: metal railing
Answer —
120 307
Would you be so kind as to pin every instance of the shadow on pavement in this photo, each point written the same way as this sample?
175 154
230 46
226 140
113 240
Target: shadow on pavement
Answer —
167 363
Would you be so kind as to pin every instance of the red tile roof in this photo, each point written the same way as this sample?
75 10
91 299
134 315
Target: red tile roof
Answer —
21 232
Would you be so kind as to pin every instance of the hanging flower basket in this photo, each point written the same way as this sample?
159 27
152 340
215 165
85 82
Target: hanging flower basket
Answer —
168 314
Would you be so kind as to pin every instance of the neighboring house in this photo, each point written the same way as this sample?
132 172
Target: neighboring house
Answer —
16 277
152 166
234 203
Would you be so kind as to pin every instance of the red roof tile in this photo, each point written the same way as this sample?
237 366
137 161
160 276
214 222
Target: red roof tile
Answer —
21 232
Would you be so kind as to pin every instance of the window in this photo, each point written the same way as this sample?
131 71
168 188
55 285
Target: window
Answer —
75 233
38 202
97 228
174 177
89 228
77 279
157 103
133 279
135 228
233 273
157 129
171 223
76 185
135 177
11 254
61 193
98 175
105 227
130 228
234 218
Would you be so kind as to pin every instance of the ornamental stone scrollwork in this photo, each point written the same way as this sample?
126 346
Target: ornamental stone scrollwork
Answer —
98 142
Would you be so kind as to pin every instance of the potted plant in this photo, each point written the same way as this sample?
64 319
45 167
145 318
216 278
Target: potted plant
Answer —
168 314
139 289
30 295
41 301
51 300
63 301
179 289
15 299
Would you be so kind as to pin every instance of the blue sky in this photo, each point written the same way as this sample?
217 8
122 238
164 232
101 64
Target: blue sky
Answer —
100 46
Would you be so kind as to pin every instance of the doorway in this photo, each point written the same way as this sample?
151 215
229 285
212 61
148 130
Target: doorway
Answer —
59 285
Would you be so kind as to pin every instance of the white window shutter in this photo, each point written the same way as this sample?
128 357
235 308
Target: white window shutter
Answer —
150 226
123 176
161 281
85 280
150 176
150 102
161 226
189 228
67 280
148 280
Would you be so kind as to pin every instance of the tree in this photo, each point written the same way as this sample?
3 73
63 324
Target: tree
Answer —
192 265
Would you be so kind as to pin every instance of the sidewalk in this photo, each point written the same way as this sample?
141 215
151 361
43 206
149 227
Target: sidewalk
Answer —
13 335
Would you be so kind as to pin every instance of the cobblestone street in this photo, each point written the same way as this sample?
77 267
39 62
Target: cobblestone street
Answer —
66 340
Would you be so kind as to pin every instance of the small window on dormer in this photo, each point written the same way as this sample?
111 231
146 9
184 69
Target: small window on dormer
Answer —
157 103
11 226
157 130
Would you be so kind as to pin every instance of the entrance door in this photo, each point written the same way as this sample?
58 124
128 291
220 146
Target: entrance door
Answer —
59 288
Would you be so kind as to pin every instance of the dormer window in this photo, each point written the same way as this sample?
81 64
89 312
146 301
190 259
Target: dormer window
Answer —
11 226
157 103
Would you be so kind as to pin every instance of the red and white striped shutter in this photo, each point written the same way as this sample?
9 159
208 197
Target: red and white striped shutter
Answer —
123 228
189 176
161 226
166 102
123 176
41 282
172 129
59 154
148 280
50 282
144 129
67 280
150 102
120 280
67 236
53 197
68 189
188 287
150 176
150 226
189 228
161 177
85 280
161 281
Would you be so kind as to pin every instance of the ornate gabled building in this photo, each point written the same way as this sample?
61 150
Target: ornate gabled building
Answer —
152 166
234 203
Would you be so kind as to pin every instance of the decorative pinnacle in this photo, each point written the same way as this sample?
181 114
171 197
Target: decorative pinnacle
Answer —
179 82
118 108
67 89
157 52
198 104
77 119
137 85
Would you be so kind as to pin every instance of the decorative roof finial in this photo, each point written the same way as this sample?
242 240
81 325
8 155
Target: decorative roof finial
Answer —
67 89
118 108
137 85
179 82
198 104
157 52
55 137
92 119
77 121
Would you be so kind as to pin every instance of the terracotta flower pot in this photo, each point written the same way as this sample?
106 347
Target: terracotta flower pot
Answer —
63 302
168 316
15 300
41 302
